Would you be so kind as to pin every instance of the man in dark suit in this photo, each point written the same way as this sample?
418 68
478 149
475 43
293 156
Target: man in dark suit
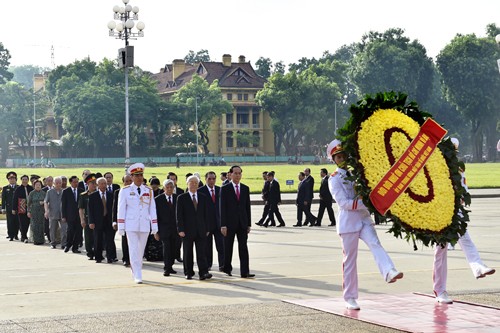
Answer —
212 191
178 191
167 225
110 187
70 214
100 211
300 199
7 206
308 184
274 199
192 220
127 180
325 200
265 197
236 221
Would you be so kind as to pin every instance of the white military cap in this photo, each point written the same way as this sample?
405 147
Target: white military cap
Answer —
334 148
136 169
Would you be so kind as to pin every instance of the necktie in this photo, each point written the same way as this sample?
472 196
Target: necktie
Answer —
195 203
139 190
213 195
110 189
74 194
170 200
26 191
237 192
105 211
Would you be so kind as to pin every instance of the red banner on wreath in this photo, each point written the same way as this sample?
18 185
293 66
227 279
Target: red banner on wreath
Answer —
406 168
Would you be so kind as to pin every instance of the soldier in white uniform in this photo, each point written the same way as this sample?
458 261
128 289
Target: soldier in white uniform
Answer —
440 269
136 217
354 223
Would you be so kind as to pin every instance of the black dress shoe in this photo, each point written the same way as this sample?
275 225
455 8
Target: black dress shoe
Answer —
76 251
171 271
258 223
221 269
126 264
205 276
280 225
110 261
10 240
52 246
16 238
179 259
189 277
228 273
265 225
298 225
90 258
66 249
98 261
115 259
247 276
312 225
331 225
166 273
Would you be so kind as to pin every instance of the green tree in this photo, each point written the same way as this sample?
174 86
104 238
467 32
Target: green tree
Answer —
390 61
194 58
472 83
198 97
297 104
24 74
263 67
5 75
279 67
16 112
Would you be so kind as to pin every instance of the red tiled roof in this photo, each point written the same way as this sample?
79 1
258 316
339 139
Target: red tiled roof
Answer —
238 75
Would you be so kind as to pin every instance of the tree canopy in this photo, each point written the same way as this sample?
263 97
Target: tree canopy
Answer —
5 75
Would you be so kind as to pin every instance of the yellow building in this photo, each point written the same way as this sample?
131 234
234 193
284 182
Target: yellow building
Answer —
239 84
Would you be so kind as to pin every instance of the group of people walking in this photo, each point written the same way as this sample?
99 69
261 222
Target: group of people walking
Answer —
91 211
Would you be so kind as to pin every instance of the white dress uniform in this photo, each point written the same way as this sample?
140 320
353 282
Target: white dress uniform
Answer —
354 222
137 218
440 269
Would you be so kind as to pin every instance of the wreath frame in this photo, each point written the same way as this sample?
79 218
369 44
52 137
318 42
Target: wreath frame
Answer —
361 111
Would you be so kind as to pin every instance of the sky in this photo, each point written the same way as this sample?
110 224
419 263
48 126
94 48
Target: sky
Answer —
282 30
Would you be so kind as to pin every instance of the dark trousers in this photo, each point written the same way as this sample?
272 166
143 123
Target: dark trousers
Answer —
274 210
104 238
200 242
89 241
242 236
12 225
309 216
265 214
169 244
74 234
219 246
125 257
323 204
46 229
24 224
178 245
300 213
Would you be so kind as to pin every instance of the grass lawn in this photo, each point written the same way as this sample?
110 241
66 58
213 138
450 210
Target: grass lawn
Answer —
479 175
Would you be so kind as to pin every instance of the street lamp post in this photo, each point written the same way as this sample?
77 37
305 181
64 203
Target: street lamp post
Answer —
336 117
196 128
126 16
497 38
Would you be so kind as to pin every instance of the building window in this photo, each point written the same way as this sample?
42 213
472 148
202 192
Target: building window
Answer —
229 97
229 119
255 119
256 141
240 97
245 97
229 139
242 117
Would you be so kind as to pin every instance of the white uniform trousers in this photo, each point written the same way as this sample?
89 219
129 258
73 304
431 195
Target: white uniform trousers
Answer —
350 243
440 269
136 245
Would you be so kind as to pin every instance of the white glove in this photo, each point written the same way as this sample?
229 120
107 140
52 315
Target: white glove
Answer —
121 232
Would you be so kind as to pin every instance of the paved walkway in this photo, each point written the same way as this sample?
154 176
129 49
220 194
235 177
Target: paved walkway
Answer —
46 290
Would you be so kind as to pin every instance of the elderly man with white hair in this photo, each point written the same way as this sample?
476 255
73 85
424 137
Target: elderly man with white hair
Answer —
53 213
167 225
